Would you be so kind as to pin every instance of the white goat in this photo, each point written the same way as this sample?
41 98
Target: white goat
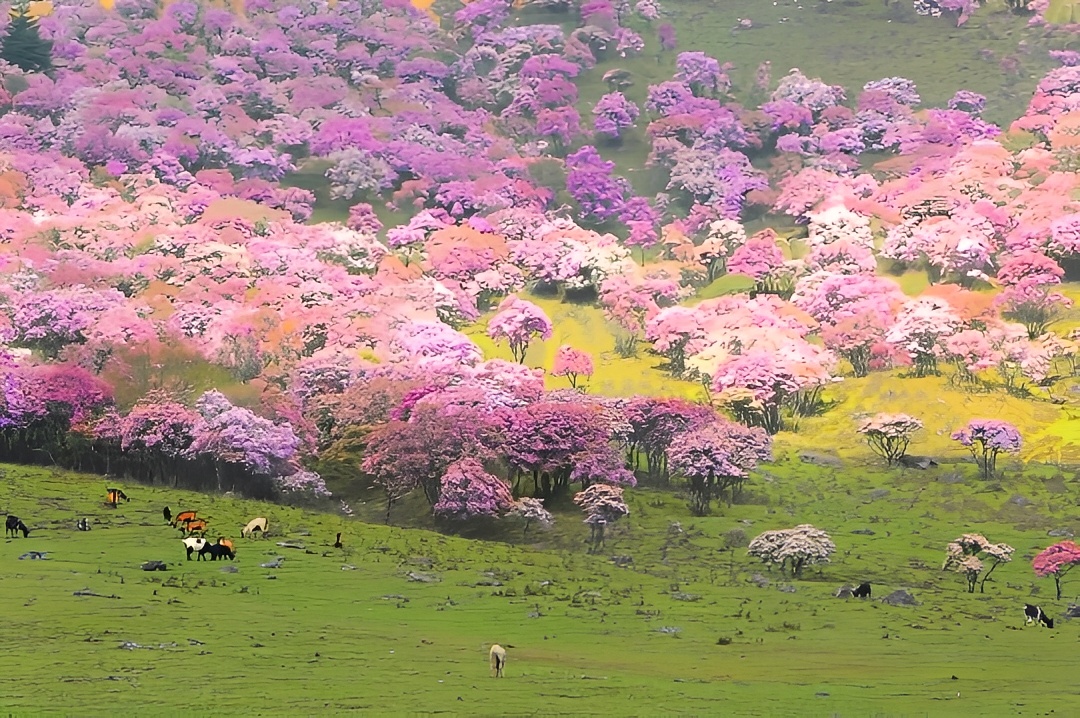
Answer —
254 525
194 545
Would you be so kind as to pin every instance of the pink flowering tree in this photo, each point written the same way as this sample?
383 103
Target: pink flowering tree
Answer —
519 321
717 458
468 491
793 549
1032 304
545 439
920 330
969 554
889 435
761 259
1057 561
603 504
654 422
572 364
985 439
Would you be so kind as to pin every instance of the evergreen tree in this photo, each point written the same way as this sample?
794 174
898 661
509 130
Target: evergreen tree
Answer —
23 45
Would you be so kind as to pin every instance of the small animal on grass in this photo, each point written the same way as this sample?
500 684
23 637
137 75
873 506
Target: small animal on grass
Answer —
82 524
256 524
497 656
192 526
1034 614
337 542
113 496
863 591
184 516
194 544
222 549
167 513
13 525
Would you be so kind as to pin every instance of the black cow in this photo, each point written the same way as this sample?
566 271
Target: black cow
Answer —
216 551
337 543
167 513
14 525
1034 614
863 591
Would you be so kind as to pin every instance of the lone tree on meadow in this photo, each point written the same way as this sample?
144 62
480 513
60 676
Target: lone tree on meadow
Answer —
794 548
518 321
889 435
963 556
1056 561
603 505
572 364
985 439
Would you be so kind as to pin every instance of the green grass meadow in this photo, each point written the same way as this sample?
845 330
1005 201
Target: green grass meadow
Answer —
679 630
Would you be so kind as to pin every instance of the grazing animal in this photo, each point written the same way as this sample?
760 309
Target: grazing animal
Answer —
113 496
14 525
226 542
184 516
497 656
337 543
1034 614
167 514
218 550
192 526
863 591
195 544
82 524
256 524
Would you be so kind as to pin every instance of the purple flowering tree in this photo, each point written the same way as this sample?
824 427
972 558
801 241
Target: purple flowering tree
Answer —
468 491
985 439
612 114
518 321
717 458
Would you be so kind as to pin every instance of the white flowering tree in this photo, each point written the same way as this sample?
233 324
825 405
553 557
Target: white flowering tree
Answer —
969 554
889 435
793 549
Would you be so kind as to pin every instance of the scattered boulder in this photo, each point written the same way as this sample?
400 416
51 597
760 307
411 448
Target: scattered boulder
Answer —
812 457
276 563
154 566
1018 500
230 569
290 544
917 462
786 588
864 532
420 561
622 560
758 580
1073 611
1060 533
422 577
682 596
33 555
952 477
900 597
845 591
879 494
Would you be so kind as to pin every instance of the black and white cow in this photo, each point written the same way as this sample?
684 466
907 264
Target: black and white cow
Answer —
1034 614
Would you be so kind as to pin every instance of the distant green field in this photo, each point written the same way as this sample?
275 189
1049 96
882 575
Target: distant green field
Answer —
587 637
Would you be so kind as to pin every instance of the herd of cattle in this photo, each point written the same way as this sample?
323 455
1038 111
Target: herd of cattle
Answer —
190 524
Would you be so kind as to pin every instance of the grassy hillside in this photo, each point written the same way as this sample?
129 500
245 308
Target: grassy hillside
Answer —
340 629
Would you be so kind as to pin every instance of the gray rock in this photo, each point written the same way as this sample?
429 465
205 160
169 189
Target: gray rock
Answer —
1018 500
787 588
863 532
900 597
229 569
844 591
1062 533
1073 611
622 560
879 494
917 462
812 457
154 566
276 563
758 580
422 577
953 477
420 561
681 596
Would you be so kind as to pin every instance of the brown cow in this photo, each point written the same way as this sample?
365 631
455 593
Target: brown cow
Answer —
183 517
